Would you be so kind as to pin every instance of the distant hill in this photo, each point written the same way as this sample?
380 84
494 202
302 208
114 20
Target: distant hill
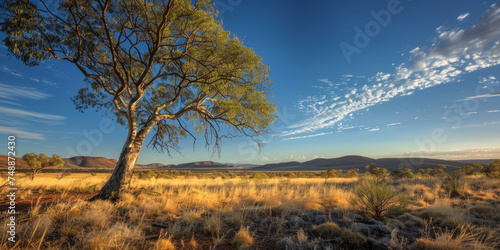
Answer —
483 162
20 163
151 166
84 163
355 161
199 165
89 162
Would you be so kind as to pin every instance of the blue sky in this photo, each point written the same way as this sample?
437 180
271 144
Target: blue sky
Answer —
374 78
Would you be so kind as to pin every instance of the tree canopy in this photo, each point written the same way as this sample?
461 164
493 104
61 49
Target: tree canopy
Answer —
152 63
39 162
162 66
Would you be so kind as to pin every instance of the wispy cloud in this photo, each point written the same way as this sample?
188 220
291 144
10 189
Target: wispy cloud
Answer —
306 136
51 83
21 133
452 54
393 124
374 129
493 111
17 117
17 92
496 94
28 114
6 69
462 17
352 76
325 81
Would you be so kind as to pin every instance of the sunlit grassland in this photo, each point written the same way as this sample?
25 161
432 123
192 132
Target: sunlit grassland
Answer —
207 213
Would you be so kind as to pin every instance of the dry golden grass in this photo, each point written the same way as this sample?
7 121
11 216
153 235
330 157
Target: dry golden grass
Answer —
243 237
221 211
463 237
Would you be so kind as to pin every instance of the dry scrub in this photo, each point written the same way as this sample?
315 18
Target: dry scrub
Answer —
298 213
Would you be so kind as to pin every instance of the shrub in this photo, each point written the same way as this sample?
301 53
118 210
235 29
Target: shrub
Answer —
403 173
493 170
454 188
351 238
377 199
376 171
243 237
393 223
482 211
411 220
164 176
329 229
351 173
147 175
259 176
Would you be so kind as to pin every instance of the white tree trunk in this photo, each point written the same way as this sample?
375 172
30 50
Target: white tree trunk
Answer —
119 181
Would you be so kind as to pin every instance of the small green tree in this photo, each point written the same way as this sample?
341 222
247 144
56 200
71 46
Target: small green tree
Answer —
351 173
469 169
493 170
39 162
403 173
377 199
376 171
441 166
332 173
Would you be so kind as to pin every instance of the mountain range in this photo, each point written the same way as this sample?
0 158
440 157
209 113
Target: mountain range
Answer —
319 164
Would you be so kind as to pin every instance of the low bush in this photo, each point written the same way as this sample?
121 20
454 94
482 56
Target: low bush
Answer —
353 239
259 176
377 199
328 229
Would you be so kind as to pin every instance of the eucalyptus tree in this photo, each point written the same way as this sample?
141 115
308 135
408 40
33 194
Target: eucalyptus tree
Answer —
39 162
165 67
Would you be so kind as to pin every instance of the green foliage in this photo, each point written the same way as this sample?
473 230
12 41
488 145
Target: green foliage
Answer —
493 170
435 172
403 173
149 63
291 175
454 187
376 171
332 173
353 239
259 176
38 162
351 173
377 199
162 175
329 230
470 169
146 175
441 166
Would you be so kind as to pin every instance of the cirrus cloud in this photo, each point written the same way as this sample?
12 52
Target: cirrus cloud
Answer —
454 53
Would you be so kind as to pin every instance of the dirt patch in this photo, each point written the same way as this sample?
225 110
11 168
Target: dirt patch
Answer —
23 205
